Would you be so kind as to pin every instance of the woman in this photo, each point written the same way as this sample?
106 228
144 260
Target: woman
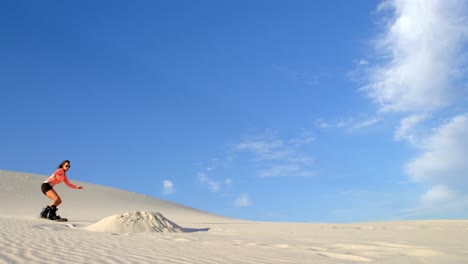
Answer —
48 189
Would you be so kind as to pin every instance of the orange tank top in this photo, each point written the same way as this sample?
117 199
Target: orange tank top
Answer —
59 176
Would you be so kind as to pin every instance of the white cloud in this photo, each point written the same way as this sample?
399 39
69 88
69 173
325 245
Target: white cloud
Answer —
304 139
363 62
350 123
405 130
243 201
168 187
422 55
281 157
444 164
341 124
420 70
365 123
265 147
445 155
440 201
324 125
213 185
438 194
285 170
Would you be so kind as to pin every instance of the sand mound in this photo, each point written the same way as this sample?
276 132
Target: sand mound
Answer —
135 222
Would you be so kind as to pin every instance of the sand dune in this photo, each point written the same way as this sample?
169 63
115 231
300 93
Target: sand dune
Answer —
115 226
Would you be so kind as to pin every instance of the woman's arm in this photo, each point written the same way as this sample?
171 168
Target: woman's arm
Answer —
69 184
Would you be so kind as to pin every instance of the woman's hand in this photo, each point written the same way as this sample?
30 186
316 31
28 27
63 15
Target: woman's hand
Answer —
79 187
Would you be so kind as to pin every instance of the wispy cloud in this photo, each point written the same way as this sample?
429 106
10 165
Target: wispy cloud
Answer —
285 170
168 187
213 185
242 201
365 123
445 155
362 62
419 71
406 129
349 124
279 157
443 163
438 194
265 147
421 55
440 201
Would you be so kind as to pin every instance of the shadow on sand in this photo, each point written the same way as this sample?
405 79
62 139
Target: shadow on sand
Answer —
193 230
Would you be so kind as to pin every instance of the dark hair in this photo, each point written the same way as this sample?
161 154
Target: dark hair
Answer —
63 163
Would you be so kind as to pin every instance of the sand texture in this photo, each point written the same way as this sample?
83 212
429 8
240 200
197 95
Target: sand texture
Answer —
108 225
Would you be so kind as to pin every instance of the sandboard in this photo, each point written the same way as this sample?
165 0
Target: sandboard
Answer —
57 220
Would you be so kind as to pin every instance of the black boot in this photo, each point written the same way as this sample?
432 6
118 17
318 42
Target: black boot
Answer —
45 211
52 213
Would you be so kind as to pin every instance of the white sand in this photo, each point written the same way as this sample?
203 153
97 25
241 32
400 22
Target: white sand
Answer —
135 222
114 226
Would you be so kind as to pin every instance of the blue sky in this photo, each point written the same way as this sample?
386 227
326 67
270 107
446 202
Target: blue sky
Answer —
307 111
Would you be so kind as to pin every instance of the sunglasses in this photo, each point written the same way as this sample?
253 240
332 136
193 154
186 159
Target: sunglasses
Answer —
67 166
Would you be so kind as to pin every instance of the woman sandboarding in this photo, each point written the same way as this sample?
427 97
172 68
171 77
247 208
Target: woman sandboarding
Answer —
48 189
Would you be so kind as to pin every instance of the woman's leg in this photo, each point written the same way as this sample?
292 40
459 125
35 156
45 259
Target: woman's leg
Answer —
52 194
